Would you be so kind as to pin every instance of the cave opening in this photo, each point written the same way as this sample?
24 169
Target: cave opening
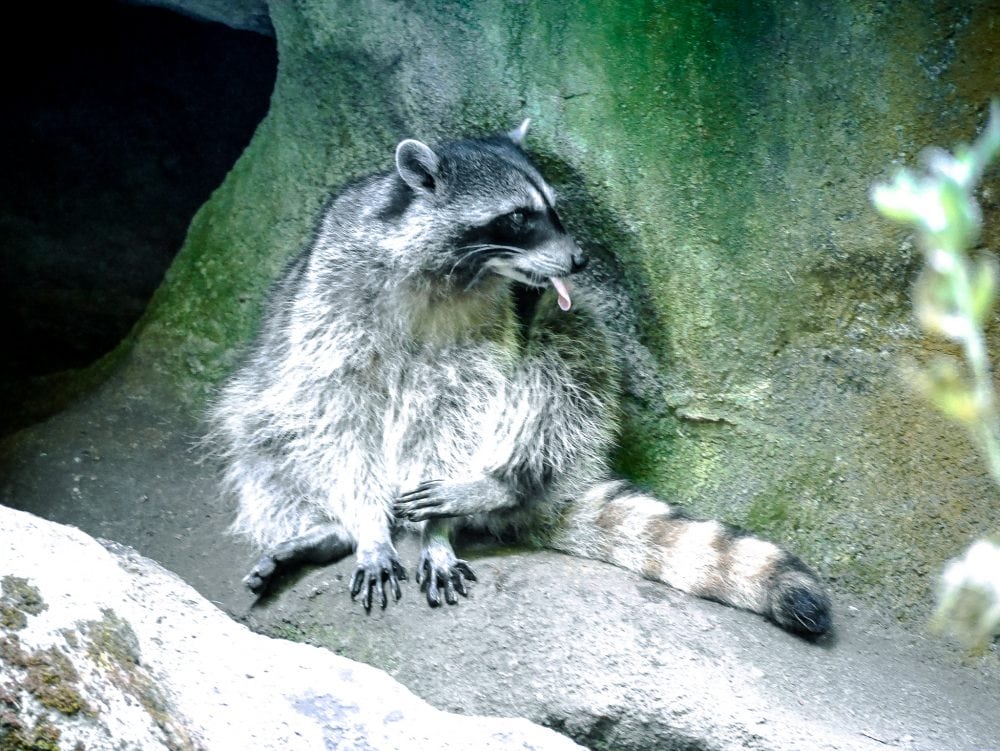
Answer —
120 121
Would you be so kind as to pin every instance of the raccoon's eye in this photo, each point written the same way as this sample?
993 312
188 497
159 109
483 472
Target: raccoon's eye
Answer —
516 218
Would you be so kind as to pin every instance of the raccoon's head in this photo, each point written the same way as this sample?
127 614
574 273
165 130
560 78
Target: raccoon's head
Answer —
491 213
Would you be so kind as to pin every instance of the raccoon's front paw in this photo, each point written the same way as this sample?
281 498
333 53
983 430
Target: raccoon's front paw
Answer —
439 569
431 499
441 499
376 566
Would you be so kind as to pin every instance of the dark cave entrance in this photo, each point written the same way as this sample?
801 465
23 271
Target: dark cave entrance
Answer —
119 121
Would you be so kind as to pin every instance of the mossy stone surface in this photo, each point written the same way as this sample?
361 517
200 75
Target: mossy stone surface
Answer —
723 151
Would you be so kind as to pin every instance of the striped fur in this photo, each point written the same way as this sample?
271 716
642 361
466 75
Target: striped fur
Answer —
618 523
392 387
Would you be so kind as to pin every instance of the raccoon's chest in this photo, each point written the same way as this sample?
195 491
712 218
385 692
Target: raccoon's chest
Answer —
442 410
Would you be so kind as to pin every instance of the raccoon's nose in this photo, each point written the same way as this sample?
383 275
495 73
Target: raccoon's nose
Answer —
579 263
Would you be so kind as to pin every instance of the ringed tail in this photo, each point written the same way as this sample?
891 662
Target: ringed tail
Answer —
622 525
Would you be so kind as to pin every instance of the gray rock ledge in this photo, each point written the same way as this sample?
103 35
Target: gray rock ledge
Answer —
104 649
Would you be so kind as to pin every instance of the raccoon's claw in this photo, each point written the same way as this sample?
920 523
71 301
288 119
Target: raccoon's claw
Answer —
371 574
423 502
421 492
449 575
437 499
444 499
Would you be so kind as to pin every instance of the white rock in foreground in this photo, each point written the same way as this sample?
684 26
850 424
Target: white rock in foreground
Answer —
105 648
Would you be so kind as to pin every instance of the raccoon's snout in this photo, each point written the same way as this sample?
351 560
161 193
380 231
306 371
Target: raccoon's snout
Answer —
579 263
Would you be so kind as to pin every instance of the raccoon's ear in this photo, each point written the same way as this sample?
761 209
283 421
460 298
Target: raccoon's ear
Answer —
517 135
418 165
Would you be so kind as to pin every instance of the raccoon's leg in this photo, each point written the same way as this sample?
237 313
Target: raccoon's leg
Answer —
324 543
438 568
440 499
620 524
378 564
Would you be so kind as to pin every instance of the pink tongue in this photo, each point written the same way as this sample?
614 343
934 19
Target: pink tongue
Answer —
562 288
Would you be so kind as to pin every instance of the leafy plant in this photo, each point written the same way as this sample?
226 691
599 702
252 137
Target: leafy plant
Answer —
953 298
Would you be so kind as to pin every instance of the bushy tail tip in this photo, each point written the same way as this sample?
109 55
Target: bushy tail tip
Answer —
799 604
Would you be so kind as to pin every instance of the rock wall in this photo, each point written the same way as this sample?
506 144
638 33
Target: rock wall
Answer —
722 153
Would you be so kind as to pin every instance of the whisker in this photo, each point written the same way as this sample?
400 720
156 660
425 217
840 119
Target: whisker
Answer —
491 246
465 257
473 250
475 278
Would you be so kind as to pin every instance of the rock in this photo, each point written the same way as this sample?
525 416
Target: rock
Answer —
103 649
246 15
615 661
595 652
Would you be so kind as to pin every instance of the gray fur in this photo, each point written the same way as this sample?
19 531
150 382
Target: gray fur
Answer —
392 387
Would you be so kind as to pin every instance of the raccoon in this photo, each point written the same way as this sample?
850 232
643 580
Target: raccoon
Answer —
394 386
